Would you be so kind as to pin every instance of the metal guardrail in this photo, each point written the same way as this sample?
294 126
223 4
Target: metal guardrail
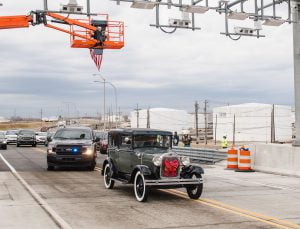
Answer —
201 155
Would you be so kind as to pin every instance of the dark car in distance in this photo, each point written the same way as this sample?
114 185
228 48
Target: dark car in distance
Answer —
73 147
26 137
144 158
3 142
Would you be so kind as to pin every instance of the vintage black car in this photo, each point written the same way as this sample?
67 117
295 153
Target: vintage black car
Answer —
144 158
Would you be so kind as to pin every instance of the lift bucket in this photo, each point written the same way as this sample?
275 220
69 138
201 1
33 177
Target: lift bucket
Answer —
11 22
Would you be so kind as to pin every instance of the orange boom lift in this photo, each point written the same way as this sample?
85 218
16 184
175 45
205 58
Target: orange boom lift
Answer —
90 33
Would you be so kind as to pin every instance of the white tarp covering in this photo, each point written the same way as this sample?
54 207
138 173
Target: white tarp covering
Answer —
253 122
162 119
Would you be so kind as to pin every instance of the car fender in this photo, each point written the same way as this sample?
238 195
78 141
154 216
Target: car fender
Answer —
192 169
111 164
145 170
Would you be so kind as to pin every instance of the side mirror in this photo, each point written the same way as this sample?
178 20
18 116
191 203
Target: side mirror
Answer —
49 138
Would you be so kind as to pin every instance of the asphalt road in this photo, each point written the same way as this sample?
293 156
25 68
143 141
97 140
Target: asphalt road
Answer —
230 200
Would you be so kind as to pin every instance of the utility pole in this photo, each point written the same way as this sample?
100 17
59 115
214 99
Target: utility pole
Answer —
137 116
205 121
216 123
148 118
196 119
233 134
119 117
41 116
273 124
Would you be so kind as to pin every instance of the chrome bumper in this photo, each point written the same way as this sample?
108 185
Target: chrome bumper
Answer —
166 182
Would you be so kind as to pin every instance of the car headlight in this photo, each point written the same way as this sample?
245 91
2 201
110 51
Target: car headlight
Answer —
88 150
4 141
51 149
185 161
157 160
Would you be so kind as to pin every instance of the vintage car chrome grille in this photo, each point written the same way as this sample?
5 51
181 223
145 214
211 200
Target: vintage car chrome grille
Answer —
68 149
170 167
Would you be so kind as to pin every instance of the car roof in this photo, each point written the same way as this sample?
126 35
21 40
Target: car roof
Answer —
76 128
140 131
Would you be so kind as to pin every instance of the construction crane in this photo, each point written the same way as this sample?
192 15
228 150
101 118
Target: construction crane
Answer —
93 34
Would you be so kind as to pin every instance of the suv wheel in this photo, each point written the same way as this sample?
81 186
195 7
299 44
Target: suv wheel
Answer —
141 191
195 192
50 168
92 166
18 145
108 182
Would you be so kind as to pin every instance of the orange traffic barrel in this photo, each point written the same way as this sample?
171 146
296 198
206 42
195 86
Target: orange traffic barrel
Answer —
244 162
232 159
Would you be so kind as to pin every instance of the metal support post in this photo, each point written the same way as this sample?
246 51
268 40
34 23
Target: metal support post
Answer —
296 35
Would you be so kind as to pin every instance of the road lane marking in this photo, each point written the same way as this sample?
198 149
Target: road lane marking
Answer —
238 211
60 222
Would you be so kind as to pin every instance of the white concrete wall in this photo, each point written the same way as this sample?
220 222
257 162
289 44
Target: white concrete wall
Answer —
253 122
276 158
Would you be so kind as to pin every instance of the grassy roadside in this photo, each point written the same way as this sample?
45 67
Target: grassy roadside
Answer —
22 125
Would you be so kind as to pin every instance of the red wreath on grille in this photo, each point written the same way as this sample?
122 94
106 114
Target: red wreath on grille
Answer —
171 167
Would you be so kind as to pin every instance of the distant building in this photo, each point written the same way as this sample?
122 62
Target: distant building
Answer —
2 119
50 119
253 122
162 119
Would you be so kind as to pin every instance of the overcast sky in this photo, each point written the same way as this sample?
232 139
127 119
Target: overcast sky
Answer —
40 71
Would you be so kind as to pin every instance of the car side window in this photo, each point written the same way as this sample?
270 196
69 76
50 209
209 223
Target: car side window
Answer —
114 140
126 142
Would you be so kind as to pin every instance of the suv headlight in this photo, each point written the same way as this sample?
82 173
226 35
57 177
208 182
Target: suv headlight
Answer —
51 149
87 150
157 160
185 161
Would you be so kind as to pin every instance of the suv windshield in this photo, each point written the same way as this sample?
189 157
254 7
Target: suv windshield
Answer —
153 140
27 132
11 132
73 134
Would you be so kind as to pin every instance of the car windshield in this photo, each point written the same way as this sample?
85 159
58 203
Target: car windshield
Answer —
73 134
2 135
152 140
27 132
11 132
41 133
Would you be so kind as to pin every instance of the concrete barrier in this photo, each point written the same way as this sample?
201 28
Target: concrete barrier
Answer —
275 158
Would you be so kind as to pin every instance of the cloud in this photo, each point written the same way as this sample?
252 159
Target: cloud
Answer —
153 69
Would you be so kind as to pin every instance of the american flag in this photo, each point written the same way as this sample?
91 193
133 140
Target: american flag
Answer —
97 55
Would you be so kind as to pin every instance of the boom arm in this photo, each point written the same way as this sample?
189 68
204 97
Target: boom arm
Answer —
85 33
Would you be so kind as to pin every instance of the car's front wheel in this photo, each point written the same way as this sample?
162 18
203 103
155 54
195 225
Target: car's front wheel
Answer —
195 191
4 147
141 191
108 182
